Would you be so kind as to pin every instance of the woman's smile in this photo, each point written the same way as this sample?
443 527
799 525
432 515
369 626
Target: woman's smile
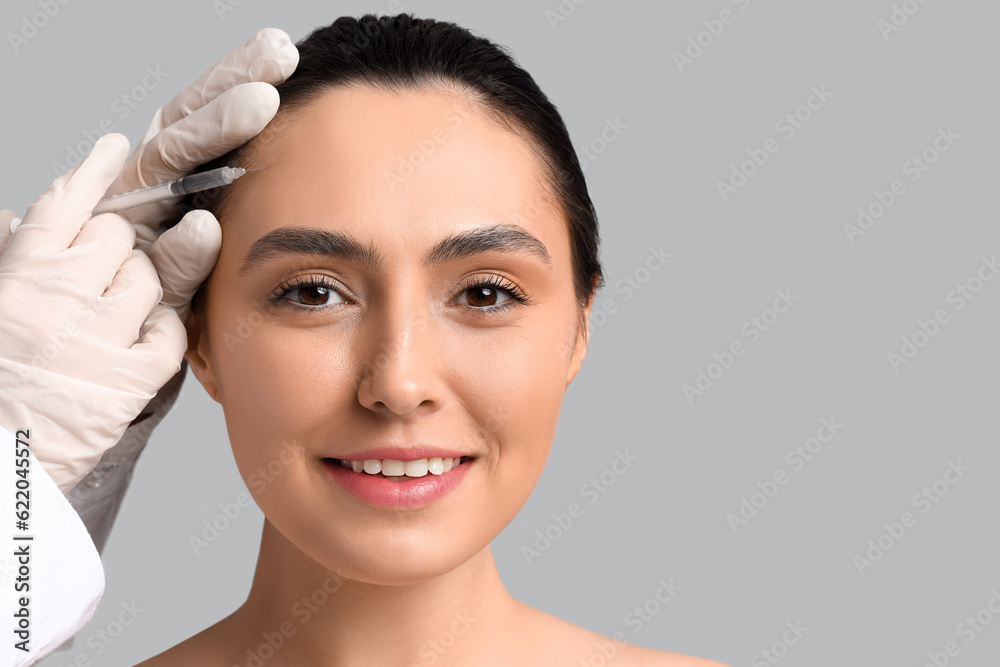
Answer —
399 476
399 489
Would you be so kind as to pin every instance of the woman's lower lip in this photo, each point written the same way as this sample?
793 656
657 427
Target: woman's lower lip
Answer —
388 494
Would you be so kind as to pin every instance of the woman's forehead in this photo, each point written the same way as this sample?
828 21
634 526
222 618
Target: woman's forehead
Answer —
412 163
394 141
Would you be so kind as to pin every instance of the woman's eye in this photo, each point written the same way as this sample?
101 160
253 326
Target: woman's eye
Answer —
484 296
492 296
311 293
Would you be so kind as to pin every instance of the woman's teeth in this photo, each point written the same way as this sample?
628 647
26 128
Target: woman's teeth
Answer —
392 468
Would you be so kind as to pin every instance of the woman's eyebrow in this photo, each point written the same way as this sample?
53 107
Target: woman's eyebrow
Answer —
312 241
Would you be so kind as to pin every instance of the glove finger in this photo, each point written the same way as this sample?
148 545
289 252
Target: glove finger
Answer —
184 256
161 346
56 217
87 184
129 300
228 121
268 56
6 217
100 250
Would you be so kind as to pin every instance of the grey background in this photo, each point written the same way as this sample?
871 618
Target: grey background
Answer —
655 185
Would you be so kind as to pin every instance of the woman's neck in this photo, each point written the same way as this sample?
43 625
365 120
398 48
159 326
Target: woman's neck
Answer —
299 613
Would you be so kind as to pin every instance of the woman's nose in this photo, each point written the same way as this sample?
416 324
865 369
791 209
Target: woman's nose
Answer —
402 364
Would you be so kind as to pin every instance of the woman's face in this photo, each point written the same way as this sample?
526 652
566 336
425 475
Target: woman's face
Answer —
316 353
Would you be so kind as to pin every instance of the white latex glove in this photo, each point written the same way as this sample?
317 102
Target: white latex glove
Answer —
84 342
229 104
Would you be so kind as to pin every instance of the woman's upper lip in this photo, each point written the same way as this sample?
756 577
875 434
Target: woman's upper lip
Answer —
403 453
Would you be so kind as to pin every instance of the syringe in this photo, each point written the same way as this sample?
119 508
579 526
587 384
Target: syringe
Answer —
161 191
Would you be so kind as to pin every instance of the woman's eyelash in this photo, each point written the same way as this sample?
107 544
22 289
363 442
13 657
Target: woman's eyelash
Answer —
517 297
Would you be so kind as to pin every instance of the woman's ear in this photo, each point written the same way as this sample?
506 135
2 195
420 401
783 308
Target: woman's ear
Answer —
199 355
581 343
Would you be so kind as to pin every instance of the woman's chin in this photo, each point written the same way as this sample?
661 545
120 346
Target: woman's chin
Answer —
390 558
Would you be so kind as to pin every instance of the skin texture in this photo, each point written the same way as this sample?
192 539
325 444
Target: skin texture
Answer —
401 357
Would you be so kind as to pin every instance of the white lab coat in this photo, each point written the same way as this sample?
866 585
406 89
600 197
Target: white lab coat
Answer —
65 579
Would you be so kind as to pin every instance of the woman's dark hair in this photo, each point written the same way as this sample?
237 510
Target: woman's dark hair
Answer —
402 52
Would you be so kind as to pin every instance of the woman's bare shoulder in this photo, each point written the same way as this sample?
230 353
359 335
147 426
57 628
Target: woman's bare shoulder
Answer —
640 656
568 644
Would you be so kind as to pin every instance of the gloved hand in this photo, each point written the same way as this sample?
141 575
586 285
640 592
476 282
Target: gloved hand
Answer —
84 341
228 105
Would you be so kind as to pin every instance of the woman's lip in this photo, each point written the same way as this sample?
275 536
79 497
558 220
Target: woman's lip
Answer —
385 493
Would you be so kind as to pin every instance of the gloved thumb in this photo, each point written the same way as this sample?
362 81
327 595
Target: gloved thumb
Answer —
6 216
184 255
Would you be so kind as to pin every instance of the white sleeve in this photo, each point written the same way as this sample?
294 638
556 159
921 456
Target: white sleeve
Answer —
50 573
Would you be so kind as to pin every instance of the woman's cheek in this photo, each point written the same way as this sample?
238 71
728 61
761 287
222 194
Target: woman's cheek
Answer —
256 393
534 384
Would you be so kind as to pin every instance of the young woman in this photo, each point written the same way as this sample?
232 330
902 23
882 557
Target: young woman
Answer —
400 302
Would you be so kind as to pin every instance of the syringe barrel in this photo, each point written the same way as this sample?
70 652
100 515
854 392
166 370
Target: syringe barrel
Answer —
149 195
203 181
169 190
